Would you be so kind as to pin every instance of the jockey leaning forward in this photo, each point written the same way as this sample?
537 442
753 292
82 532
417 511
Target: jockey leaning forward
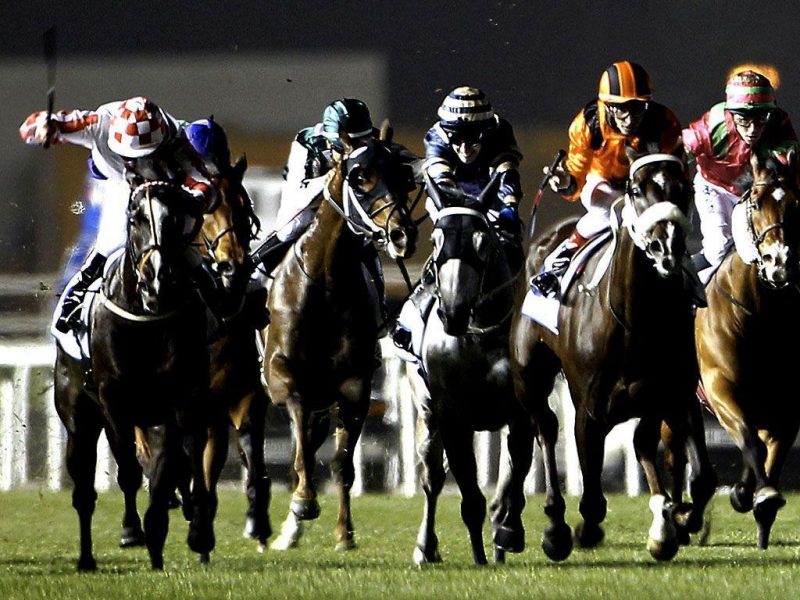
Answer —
720 144
313 153
465 149
119 135
595 170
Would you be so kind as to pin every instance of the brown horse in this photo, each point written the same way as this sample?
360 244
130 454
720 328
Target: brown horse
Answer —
147 347
626 348
319 346
745 336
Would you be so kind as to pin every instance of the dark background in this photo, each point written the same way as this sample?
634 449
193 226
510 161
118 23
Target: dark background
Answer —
539 61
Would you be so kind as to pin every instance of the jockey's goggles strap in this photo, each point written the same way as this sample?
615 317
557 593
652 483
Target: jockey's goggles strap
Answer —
651 158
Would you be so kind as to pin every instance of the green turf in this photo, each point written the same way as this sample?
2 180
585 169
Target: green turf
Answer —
38 549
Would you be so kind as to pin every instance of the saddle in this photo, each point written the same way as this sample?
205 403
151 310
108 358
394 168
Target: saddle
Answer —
544 309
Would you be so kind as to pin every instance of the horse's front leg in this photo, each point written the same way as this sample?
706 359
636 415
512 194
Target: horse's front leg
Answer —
250 427
461 458
509 533
194 428
351 415
768 500
662 540
430 452
590 436
129 478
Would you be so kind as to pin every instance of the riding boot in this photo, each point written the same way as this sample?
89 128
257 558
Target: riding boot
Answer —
70 317
255 305
691 282
555 265
415 310
214 297
269 254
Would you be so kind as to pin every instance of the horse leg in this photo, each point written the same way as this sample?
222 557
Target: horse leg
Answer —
351 417
129 479
590 436
214 456
250 428
81 465
432 475
742 492
309 432
768 500
509 533
461 458
675 461
662 540
162 488
201 527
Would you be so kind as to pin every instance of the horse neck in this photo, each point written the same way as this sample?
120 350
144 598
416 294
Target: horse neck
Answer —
120 284
496 295
738 282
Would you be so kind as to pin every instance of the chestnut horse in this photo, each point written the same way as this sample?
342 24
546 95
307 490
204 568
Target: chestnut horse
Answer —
745 336
147 347
626 347
319 345
462 383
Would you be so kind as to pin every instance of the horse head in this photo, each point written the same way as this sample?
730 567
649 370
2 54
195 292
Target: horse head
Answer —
375 187
467 257
163 219
228 228
656 206
770 234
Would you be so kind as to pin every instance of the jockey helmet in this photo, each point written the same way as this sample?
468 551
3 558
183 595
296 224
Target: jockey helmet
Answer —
349 116
210 140
466 109
624 81
137 128
749 91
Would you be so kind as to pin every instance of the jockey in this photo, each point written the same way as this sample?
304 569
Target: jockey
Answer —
720 144
465 148
596 167
210 142
117 133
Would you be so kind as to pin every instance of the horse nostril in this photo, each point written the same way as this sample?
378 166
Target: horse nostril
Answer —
226 268
767 258
655 247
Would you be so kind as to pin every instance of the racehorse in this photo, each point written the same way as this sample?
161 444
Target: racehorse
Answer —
149 366
463 381
746 335
319 345
626 348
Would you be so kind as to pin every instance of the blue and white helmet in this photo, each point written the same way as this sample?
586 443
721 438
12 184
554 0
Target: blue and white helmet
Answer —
466 108
209 140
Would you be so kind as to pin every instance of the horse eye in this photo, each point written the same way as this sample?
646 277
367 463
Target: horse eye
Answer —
437 237
479 242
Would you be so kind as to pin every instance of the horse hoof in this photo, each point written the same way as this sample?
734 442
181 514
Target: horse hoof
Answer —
665 550
174 501
201 539
345 545
205 558
741 498
499 556
305 509
421 557
87 564
257 531
557 541
130 537
510 539
589 535
768 501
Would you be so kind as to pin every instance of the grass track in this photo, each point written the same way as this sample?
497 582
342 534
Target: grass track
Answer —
38 549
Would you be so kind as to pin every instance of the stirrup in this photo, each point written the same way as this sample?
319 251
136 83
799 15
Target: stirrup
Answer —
548 283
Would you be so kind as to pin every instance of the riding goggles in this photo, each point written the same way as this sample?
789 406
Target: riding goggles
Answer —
632 109
748 120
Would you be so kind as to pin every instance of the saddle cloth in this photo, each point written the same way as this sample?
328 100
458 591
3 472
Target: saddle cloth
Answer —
543 309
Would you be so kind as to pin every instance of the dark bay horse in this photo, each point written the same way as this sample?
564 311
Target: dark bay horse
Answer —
464 383
149 365
747 335
319 346
626 348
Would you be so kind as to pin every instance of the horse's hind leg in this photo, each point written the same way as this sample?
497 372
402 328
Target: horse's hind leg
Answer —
590 436
461 458
432 475
251 448
351 417
129 478
81 465
509 533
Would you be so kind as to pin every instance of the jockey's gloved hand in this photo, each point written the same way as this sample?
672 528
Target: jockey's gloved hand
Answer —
38 130
508 216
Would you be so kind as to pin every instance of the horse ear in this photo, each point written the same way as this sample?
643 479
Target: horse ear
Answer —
240 166
387 132
631 153
791 159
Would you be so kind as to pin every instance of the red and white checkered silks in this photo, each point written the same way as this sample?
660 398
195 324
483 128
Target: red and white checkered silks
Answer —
137 128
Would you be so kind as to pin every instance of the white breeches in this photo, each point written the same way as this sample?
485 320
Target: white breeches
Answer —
112 226
597 217
714 207
296 194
